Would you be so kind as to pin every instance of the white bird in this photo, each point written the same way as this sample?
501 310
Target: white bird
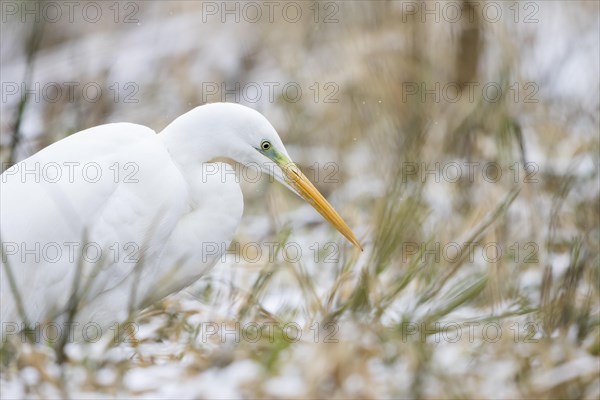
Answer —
113 218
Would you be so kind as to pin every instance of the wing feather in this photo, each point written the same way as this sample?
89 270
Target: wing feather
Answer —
92 212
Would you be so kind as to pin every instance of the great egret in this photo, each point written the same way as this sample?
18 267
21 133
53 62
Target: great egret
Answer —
110 219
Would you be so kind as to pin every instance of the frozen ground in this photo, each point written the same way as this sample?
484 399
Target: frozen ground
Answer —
392 322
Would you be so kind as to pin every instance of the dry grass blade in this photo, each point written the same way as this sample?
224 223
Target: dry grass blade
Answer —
473 238
265 275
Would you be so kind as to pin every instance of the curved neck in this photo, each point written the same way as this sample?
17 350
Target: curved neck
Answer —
190 140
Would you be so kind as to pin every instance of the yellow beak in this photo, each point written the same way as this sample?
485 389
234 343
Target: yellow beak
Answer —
310 193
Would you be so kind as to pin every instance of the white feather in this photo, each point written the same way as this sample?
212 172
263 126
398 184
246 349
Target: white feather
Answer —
166 207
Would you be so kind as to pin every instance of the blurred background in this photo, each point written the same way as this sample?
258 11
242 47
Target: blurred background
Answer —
459 139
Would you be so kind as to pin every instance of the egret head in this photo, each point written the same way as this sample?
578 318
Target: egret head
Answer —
246 136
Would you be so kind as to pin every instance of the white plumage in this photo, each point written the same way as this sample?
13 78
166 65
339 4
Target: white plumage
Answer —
158 202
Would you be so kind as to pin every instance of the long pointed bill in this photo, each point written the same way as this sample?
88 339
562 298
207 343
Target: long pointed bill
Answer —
308 192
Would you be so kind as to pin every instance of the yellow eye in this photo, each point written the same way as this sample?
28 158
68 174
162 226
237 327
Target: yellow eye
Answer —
265 145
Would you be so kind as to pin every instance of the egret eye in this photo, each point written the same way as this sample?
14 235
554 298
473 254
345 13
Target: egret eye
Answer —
265 145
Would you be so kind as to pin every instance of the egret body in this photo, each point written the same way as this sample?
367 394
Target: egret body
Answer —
116 217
